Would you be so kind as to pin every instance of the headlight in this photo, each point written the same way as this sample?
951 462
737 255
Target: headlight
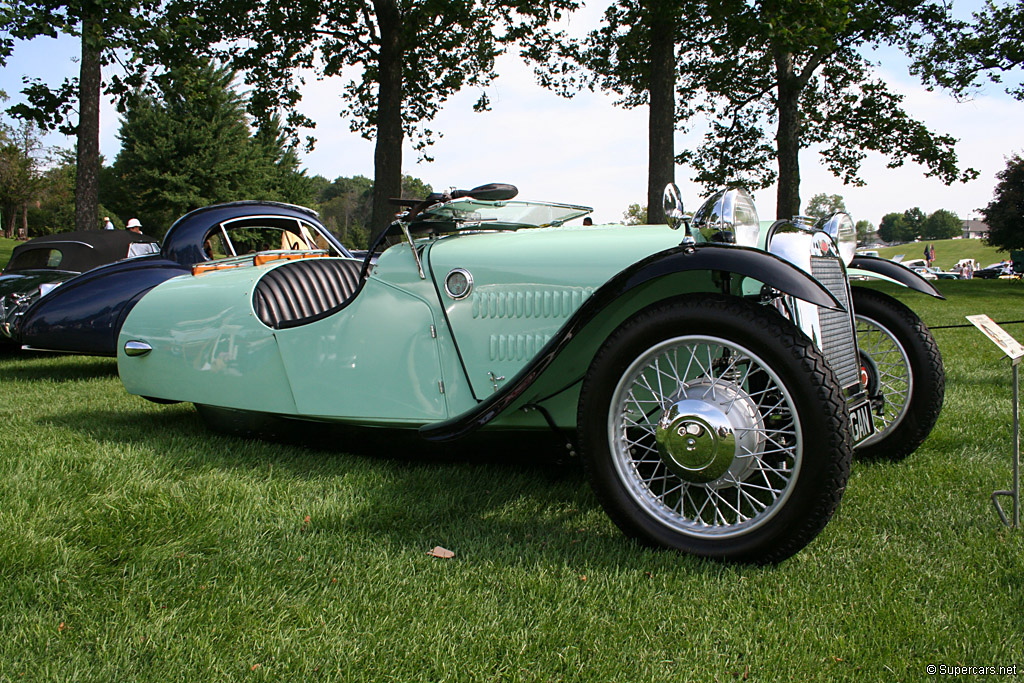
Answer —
840 228
728 216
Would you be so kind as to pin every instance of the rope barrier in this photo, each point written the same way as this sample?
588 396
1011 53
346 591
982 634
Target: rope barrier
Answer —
952 327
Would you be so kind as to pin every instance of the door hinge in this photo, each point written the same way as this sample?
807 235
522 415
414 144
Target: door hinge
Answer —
440 385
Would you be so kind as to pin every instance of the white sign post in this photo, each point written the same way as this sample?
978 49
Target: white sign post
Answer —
1013 349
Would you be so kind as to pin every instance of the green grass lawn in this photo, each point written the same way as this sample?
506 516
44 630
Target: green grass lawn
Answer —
6 247
948 252
138 546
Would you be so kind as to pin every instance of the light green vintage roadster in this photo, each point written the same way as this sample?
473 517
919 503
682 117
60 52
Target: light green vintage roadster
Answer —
708 372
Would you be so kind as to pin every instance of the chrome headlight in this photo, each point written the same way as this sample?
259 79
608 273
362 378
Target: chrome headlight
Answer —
729 216
840 228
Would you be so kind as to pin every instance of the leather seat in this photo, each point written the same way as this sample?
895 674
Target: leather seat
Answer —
303 291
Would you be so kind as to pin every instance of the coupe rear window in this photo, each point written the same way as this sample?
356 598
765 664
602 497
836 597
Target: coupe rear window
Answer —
36 258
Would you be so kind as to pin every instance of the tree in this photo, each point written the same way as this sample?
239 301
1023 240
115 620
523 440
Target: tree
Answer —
941 225
346 206
105 29
914 219
403 60
961 55
822 205
186 143
894 228
748 66
864 228
633 54
1005 213
635 215
21 173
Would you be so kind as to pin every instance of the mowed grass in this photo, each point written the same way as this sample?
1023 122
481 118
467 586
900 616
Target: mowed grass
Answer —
6 247
138 546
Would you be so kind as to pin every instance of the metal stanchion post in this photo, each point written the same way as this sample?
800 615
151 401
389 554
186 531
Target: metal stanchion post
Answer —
1014 493
1015 351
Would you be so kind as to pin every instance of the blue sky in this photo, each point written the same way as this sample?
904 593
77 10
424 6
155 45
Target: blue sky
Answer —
587 151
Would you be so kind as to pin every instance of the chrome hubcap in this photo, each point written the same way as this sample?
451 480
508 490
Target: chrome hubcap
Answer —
705 436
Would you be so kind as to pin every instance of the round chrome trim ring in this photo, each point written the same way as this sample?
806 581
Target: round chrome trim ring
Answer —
447 283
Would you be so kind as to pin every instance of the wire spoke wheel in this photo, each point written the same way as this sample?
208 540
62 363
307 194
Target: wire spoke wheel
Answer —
705 434
713 426
906 378
888 368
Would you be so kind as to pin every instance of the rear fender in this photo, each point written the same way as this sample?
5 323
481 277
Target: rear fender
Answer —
560 365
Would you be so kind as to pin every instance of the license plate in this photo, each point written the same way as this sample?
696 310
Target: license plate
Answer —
861 423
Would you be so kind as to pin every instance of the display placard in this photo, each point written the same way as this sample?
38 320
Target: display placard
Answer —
1000 337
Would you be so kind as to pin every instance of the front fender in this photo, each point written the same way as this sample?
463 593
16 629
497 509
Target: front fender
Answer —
876 268
754 263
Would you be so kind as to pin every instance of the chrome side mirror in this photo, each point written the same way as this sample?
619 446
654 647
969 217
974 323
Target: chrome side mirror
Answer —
672 205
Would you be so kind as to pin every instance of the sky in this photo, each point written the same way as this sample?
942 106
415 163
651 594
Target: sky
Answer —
587 151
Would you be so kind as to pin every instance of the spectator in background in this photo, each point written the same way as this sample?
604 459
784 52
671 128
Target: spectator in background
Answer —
107 225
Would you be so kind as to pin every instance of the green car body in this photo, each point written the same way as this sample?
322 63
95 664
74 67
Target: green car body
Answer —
503 318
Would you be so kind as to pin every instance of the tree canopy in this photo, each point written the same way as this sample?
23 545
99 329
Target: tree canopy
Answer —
106 30
961 55
1005 213
401 60
751 69
941 225
186 143
821 205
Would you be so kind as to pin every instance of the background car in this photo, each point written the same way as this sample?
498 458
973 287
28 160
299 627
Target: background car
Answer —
941 274
994 271
41 264
85 314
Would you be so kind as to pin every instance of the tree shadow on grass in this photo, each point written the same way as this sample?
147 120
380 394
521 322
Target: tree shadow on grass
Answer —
511 497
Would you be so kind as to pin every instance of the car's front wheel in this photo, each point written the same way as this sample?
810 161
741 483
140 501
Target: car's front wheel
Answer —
906 379
713 426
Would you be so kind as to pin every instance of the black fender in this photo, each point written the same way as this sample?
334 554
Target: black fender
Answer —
900 273
754 263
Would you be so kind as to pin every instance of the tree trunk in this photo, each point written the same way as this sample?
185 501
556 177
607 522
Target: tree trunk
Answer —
661 164
787 138
387 155
87 174
24 221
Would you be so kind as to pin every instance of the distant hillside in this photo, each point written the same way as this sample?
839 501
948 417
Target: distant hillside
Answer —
948 252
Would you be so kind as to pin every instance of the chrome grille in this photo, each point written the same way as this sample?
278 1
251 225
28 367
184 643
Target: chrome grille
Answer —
838 338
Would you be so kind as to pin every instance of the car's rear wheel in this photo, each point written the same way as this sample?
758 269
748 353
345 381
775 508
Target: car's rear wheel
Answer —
906 379
713 426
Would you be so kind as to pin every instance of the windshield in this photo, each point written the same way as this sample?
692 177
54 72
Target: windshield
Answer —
507 214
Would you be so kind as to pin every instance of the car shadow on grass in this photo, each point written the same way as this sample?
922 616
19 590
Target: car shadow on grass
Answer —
509 498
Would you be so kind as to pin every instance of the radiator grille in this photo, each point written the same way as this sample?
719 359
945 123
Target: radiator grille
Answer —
838 338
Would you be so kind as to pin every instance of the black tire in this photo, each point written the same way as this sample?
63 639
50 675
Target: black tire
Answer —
904 370
793 436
